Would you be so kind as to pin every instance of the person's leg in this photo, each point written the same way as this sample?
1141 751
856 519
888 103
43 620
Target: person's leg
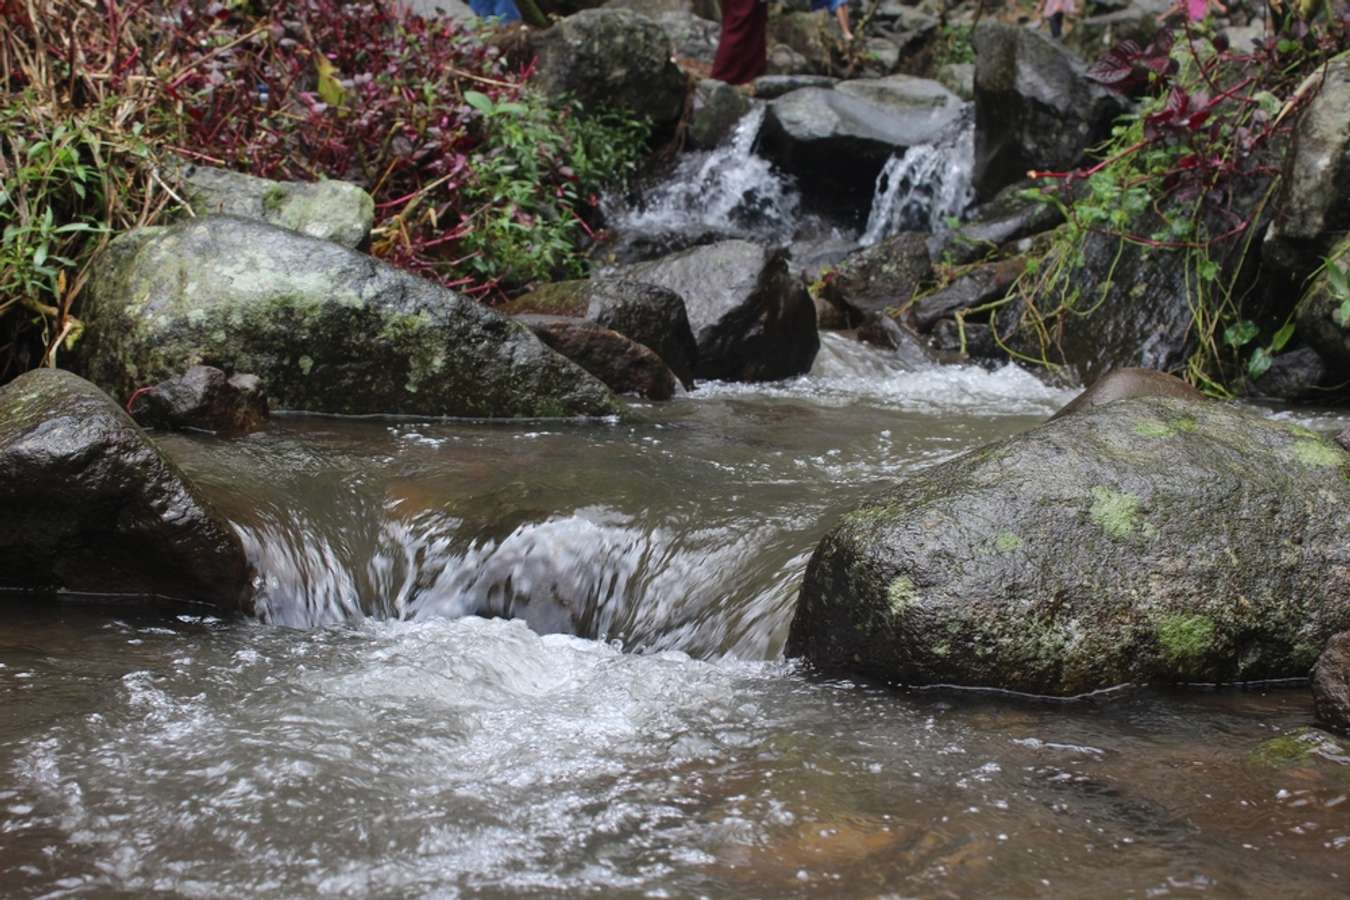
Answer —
1056 24
841 12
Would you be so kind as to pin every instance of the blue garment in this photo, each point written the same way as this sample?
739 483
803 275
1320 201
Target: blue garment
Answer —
831 5
498 9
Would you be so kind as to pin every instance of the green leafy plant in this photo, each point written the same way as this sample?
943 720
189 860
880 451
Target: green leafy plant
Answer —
1338 282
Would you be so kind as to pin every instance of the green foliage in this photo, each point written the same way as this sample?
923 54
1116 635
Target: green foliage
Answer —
519 233
954 45
1338 283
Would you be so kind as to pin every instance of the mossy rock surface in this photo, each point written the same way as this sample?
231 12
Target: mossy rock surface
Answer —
327 329
1150 540
93 509
336 211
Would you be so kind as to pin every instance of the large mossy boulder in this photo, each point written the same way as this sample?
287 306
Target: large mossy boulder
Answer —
94 511
325 328
751 319
1151 540
611 58
1035 107
332 210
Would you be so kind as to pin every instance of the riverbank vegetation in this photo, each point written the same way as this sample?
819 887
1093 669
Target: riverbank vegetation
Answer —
479 183
1193 174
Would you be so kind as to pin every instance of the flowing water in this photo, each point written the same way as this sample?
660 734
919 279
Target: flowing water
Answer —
924 188
644 738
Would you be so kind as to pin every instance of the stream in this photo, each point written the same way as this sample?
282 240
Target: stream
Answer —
378 735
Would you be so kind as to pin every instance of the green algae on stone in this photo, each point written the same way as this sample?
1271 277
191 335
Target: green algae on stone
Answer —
901 594
1186 640
1007 542
1319 453
1115 512
1157 428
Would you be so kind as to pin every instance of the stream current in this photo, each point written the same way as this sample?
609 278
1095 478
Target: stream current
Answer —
380 734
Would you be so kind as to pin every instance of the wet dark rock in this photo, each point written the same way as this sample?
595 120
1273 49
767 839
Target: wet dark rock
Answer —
1344 438
1035 107
811 259
1319 316
958 343
1126 384
204 398
1094 35
1313 209
331 210
770 87
647 313
93 509
783 60
959 78
808 35
884 276
980 285
835 143
1102 548
718 106
626 366
1294 375
612 58
903 93
880 330
1331 683
1006 218
751 319
326 328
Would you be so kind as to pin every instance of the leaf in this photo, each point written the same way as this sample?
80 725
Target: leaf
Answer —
1259 364
517 109
39 256
1282 337
330 89
1268 102
1241 333
1341 314
480 101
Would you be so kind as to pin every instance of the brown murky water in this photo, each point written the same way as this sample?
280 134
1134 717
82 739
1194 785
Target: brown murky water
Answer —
376 736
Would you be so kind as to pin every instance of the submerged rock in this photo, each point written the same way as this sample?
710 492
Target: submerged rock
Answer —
1125 384
751 319
611 58
204 398
331 210
93 508
1035 107
1331 683
1151 540
647 313
326 328
626 366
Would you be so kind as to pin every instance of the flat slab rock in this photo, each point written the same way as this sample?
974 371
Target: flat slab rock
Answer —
92 508
1149 540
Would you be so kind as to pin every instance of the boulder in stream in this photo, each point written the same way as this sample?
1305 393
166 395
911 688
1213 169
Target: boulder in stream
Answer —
327 329
647 313
836 141
884 276
752 320
626 366
1331 683
1035 107
206 399
1150 540
94 511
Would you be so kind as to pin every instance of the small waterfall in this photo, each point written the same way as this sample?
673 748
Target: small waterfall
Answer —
918 190
727 191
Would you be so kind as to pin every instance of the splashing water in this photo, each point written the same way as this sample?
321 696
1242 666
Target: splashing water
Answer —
729 191
920 189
